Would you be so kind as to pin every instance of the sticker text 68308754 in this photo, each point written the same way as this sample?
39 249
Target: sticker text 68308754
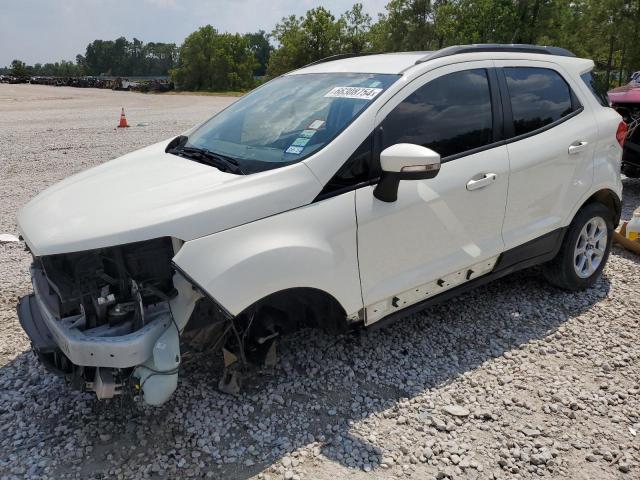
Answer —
362 93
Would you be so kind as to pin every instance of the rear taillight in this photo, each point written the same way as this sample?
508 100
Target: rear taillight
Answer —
621 133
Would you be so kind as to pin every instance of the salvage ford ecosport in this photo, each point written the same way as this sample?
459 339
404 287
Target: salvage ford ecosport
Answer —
349 192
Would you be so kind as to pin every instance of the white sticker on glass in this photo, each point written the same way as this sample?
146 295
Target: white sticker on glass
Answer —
307 133
316 124
294 150
362 93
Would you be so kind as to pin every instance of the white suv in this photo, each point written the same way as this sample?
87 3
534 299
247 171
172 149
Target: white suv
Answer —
350 192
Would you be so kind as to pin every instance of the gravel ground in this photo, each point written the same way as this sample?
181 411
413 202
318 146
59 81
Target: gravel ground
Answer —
513 380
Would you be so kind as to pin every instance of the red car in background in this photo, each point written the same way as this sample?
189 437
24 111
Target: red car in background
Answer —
626 100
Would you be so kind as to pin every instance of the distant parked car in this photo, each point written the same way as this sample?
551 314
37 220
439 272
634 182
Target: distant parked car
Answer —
12 79
626 100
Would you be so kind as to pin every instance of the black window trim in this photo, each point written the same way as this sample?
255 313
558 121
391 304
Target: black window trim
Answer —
510 135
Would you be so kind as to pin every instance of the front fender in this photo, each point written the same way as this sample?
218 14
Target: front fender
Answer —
312 246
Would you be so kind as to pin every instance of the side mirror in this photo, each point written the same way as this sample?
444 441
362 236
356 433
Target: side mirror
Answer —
404 161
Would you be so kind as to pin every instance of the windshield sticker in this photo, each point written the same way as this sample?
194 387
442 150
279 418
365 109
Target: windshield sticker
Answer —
375 84
307 133
316 124
294 150
300 142
361 93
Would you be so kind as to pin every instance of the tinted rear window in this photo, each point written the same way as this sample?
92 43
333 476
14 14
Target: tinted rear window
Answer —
598 91
539 97
450 115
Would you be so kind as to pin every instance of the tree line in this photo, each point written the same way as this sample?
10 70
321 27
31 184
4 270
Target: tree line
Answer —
118 57
604 30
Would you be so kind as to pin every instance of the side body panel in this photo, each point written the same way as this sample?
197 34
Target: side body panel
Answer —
436 227
313 246
607 158
545 180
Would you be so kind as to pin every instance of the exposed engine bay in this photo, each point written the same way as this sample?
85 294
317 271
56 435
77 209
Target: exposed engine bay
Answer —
631 154
102 318
111 286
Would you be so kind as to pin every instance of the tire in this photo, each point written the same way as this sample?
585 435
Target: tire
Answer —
630 170
573 270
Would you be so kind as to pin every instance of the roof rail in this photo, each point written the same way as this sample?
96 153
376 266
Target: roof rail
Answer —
496 47
338 56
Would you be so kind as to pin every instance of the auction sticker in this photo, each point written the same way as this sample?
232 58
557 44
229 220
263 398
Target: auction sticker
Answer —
316 124
307 133
294 150
362 93
300 142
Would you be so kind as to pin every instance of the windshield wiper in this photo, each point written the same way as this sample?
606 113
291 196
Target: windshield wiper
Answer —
231 164
222 162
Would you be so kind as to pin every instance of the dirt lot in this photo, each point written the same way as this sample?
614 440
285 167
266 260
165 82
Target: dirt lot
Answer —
514 380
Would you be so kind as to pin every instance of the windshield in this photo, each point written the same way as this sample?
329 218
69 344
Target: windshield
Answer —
288 118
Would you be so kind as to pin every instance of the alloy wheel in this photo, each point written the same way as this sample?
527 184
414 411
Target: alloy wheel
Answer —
590 247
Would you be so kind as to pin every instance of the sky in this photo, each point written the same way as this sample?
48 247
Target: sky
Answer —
52 30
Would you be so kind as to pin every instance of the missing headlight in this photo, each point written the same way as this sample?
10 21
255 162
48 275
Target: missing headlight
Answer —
110 286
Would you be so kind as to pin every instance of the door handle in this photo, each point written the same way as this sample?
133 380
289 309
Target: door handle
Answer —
577 147
486 180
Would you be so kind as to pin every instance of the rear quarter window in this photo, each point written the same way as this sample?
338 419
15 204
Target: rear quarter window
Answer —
598 90
539 97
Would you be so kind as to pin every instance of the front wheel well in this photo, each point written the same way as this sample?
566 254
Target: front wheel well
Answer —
610 200
300 307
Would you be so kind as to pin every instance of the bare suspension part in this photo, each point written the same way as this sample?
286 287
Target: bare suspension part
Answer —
251 341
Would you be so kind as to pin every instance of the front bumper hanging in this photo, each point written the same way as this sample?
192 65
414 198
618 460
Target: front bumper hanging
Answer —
100 358
103 346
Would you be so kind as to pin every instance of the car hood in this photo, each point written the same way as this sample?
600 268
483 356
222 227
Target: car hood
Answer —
149 194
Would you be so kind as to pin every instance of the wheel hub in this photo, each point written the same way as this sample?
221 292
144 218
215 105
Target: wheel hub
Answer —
590 247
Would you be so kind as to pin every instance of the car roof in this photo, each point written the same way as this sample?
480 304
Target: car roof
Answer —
398 63
378 63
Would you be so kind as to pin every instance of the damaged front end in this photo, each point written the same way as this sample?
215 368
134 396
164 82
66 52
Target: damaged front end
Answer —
110 319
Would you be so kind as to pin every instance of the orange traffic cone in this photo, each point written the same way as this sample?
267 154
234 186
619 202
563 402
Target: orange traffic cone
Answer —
123 120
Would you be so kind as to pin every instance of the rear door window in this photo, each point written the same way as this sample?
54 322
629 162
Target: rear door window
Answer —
539 97
450 115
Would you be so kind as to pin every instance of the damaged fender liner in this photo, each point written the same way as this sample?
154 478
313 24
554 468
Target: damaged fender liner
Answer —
90 348
219 307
